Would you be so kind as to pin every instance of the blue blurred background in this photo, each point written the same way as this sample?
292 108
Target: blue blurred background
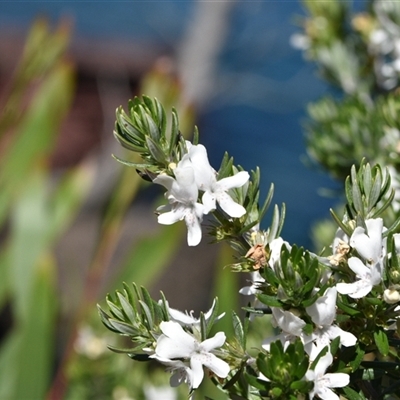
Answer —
255 105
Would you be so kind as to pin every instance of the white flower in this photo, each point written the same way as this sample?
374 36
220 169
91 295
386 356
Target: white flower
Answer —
175 345
288 322
368 278
182 195
275 248
323 313
324 382
215 191
291 326
185 318
369 245
159 392
256 280
90 345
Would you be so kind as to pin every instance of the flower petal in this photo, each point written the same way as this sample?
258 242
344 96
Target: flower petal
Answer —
197 370
346 338
288 322
212 343
194 229
209 202
337 379
170 217
164 180
204 173
180 373
355 290
182 317
235 181
358 267
323 311
325 393
232 208
175 342
369 246
215 364
323 364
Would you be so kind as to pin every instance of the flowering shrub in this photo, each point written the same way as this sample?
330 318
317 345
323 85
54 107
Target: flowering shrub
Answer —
336 317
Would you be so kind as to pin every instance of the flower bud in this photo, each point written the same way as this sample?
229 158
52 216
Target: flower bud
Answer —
391 296
394 275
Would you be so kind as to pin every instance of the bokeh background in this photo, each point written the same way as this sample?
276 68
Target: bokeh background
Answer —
250 87
246 88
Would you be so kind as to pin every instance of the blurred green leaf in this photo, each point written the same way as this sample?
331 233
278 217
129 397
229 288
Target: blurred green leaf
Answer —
35 138
149 256
26 358
226 287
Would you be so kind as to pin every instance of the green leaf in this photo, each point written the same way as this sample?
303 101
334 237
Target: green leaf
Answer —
347 309
203 326
238 329
213 316
127 128
152 128
35 137
382 342
156 151
123 327
270 301
357 361
105 319
352 394
26 359
139 166
148 300
127 308
132 350
174 132
375 191
115 309
345 228
34 226
267 202
147 318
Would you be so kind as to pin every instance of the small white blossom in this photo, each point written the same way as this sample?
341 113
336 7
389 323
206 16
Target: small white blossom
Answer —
187 318
182 194
275 251
323 313
216 191
324 382
256 280
369 245
368 278
290 324
175 345
159 392
90 344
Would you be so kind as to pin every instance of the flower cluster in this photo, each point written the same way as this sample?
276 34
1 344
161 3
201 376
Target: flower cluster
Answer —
194 174
335 315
